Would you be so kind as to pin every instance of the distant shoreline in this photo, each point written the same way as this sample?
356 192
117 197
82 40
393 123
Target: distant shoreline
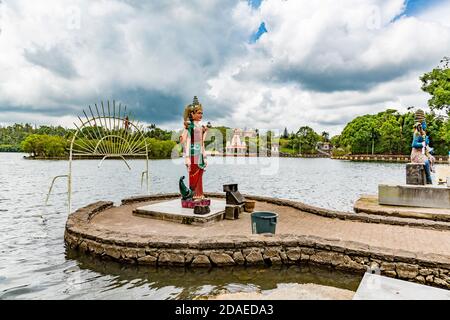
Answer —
352 157
91 157
385 158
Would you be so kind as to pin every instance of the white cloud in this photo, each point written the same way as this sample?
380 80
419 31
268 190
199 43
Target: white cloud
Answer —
323 63
437 14
320 64
120 49
37 119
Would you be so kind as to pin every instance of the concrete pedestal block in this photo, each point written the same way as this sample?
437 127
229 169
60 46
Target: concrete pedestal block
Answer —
415 174
172 210
414 196
232 211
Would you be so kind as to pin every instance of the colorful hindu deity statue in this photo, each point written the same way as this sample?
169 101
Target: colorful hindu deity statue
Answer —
421 151
193 141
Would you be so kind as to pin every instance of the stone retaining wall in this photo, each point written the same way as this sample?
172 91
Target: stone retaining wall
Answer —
316 155
251 250
385 158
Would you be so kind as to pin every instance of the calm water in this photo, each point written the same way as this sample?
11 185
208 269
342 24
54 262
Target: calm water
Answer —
35 264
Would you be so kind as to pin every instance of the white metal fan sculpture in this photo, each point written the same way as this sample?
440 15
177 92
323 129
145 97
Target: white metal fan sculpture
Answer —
108 133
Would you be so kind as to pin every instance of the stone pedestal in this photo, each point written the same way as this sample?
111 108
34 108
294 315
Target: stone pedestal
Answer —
172 211
415 174
414 196
232 211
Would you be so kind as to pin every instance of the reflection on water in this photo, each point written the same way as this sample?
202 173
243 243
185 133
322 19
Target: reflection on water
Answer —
190 283
33 262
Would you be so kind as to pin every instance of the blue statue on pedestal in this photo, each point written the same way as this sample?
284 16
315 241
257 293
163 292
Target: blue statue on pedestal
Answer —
421 152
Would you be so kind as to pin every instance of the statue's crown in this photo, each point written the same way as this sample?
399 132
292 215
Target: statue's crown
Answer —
195 101
190 107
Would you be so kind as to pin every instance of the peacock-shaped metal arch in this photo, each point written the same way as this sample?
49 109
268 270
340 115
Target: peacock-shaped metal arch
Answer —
106 131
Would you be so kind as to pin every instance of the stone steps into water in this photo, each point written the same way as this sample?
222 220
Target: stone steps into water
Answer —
369 204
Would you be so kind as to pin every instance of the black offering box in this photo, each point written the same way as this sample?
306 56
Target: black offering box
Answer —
233 196
234 202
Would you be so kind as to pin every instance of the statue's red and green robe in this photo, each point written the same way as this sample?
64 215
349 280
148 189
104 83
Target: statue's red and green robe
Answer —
193 140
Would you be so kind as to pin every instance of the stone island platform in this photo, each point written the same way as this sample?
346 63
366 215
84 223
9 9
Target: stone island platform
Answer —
416 250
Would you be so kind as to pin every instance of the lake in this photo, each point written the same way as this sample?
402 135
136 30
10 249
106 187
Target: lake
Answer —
34 263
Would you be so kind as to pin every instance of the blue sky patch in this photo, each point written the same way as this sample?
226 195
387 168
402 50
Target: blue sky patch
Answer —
415 6
261 30
255 3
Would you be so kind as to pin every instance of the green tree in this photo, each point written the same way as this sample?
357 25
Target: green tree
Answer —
435 132
8 148
41 145
34 145
55 146
225 132
14 135
160 149
358 134
307 139
437 84
445 134
390 134
325 136
336 141
158 133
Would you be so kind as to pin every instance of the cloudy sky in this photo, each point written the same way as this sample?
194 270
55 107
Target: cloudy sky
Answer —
260 63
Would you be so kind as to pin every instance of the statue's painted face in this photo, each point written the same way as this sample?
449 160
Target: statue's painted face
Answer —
197 115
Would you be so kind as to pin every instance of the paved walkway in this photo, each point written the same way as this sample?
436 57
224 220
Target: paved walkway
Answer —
291 221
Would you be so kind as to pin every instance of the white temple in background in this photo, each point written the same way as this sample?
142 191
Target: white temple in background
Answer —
236 145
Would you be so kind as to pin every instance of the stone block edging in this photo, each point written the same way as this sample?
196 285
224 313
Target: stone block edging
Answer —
250 250
384 158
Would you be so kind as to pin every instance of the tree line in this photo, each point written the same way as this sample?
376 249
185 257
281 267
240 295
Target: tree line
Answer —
387 132
304 141
390 132
54 141
12 136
